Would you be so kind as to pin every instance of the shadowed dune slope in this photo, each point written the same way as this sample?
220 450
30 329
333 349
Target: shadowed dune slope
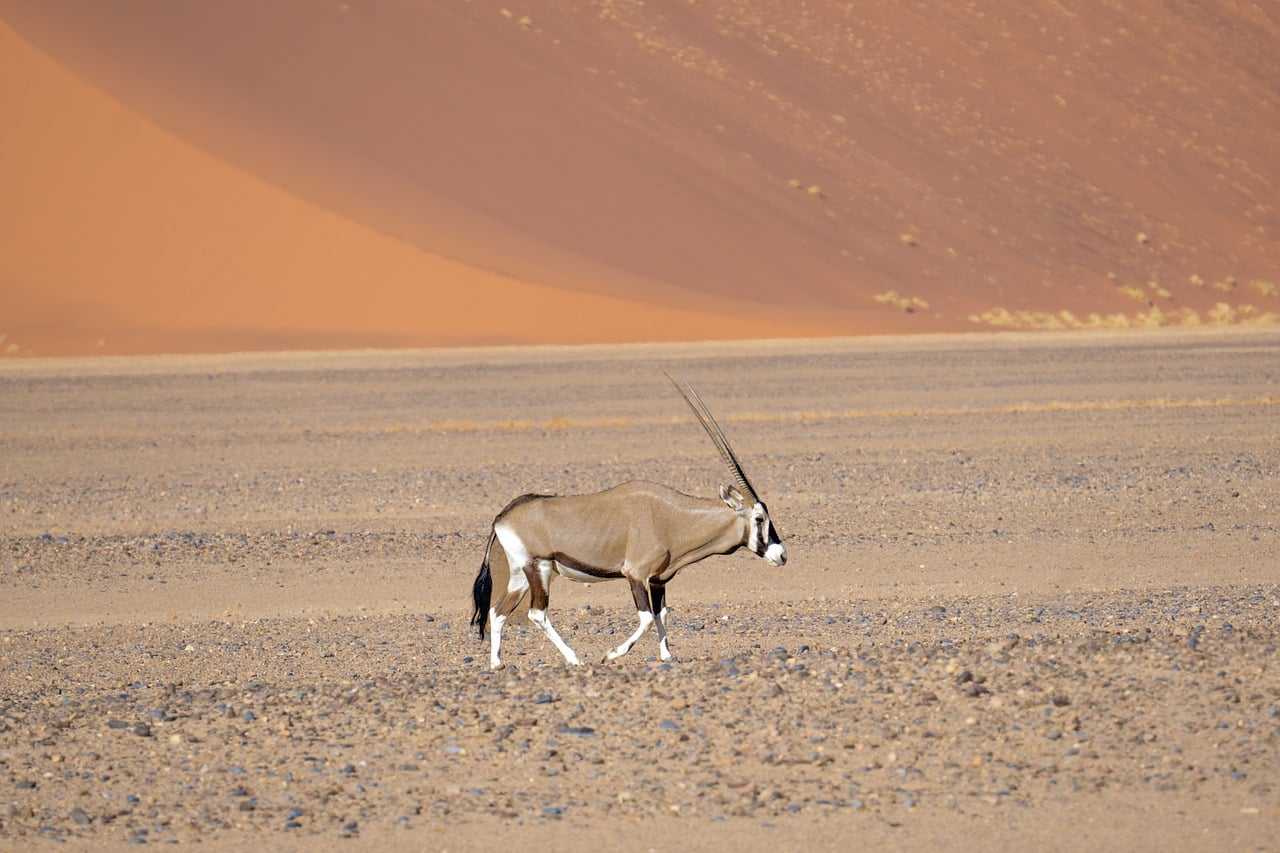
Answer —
247 175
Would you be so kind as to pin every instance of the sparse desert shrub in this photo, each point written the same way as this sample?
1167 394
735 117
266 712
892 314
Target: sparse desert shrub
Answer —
1109 321
1002 318
1045 320
997 317
1151 319
1251 315
910 304
1195 280
1222 314
1266 288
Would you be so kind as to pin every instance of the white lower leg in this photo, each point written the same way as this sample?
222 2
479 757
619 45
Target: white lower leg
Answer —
663 651
495 639
539 618
646 619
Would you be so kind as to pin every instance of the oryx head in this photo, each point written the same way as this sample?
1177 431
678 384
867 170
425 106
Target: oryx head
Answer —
762 538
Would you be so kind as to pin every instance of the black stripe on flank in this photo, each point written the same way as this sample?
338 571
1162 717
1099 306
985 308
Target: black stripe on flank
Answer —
583 568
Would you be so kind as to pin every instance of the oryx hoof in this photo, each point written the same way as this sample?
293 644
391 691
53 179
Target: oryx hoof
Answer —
614 654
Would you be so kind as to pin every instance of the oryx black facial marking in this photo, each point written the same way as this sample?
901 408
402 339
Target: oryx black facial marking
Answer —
638 531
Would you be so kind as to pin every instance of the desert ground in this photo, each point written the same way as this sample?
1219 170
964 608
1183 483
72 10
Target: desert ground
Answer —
294 297
1032 599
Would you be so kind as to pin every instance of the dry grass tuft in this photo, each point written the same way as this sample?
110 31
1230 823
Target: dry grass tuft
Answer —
1221 314
910 304
559 423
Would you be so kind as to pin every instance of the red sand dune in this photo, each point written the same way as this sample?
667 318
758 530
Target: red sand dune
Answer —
245 175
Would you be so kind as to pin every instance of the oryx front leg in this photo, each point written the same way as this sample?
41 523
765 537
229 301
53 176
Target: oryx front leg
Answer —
644 609
657 597
540 584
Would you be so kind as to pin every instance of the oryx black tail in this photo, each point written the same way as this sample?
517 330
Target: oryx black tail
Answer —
482 590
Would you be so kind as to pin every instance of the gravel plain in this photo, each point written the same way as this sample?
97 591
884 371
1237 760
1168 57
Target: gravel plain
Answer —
1033 598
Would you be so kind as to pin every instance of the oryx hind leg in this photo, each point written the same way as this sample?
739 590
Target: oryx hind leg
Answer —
540 586
517 587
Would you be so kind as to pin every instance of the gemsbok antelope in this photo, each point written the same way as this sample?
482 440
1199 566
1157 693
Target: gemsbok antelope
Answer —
641 532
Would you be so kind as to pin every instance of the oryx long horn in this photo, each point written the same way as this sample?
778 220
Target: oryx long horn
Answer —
704 416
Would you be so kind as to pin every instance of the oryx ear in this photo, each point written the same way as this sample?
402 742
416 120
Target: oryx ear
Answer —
731 496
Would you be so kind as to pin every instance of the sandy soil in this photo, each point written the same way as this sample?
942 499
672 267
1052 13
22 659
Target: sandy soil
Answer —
1032 599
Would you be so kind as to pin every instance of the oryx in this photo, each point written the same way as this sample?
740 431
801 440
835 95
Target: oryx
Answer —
640 531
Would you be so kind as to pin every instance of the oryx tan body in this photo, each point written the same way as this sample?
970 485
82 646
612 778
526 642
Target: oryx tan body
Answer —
640 532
